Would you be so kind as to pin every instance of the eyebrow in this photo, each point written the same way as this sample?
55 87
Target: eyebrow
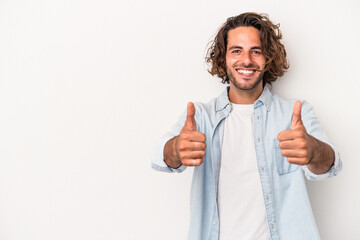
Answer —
238 47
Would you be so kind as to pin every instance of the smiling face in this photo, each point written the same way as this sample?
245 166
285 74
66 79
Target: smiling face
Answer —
244 62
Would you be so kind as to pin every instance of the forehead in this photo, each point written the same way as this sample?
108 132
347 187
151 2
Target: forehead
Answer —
243 37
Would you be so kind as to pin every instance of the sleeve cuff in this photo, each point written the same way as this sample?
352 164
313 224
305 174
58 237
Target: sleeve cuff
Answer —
158 162
333 171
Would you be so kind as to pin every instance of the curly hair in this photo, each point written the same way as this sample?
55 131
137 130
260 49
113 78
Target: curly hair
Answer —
273 50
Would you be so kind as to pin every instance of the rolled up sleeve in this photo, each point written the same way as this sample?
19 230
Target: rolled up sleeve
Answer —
313 128
157 160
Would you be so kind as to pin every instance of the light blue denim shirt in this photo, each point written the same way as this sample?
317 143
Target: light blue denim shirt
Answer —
286 200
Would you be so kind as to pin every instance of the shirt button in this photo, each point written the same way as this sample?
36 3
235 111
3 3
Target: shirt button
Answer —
262 169
258 139
267 197
219 116
272 226
214 222
258 117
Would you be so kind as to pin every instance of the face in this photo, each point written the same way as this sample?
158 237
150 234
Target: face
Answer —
244 59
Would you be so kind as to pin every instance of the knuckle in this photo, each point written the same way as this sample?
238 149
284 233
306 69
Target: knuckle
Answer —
199 154
186 162
305 153
203 137
296 133
198 162
302 143
203 146
300 133
181 146
283 153
302 161
187 136
182 136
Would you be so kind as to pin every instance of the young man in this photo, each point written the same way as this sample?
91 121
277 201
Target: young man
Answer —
249 148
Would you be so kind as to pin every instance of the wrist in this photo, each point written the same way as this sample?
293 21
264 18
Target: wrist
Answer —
316 150
171 157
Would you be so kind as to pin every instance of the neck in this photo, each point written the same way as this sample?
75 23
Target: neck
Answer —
239 96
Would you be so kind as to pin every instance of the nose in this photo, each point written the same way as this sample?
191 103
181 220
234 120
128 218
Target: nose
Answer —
245 58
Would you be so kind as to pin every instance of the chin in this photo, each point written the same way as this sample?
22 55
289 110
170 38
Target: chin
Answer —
247 84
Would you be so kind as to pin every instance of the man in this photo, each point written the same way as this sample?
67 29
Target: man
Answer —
249 148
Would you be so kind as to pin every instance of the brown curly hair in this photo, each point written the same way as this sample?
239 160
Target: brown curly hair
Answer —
274 51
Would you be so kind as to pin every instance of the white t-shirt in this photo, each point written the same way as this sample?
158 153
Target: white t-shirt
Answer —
240 199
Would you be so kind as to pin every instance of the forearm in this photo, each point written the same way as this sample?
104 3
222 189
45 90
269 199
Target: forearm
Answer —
171 157
323 158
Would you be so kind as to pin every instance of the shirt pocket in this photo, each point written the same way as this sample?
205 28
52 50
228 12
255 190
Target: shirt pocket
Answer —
283 166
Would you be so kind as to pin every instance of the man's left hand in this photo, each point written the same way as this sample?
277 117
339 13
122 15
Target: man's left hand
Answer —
298 146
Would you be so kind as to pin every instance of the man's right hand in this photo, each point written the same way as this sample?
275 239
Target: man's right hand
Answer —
189 147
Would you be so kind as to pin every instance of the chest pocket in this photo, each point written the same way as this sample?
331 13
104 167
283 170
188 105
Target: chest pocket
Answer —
283 166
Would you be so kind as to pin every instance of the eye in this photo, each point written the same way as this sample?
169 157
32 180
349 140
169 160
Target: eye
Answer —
256 52
236 51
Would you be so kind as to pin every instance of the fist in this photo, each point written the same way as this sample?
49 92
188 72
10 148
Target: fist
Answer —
295 143
190 144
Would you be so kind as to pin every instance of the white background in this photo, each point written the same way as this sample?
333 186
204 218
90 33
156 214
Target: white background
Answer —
87 87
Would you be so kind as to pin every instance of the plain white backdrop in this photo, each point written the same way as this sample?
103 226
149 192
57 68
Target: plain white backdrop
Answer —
87 87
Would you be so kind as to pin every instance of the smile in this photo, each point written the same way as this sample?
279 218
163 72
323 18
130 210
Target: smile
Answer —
246 72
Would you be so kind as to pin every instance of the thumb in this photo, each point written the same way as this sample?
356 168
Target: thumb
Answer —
190 123
296 119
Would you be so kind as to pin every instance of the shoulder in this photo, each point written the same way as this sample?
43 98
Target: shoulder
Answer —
285 104
280 106
215 104
205 108
281 102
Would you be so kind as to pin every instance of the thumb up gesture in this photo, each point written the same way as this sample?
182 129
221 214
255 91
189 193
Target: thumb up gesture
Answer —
190 144
295 143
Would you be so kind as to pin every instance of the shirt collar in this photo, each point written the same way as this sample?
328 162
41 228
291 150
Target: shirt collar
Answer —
223 100
264 99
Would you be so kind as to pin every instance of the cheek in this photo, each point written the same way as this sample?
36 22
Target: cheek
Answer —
229 61
261 62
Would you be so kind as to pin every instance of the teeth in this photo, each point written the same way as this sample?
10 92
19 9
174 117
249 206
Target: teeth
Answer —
246 72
